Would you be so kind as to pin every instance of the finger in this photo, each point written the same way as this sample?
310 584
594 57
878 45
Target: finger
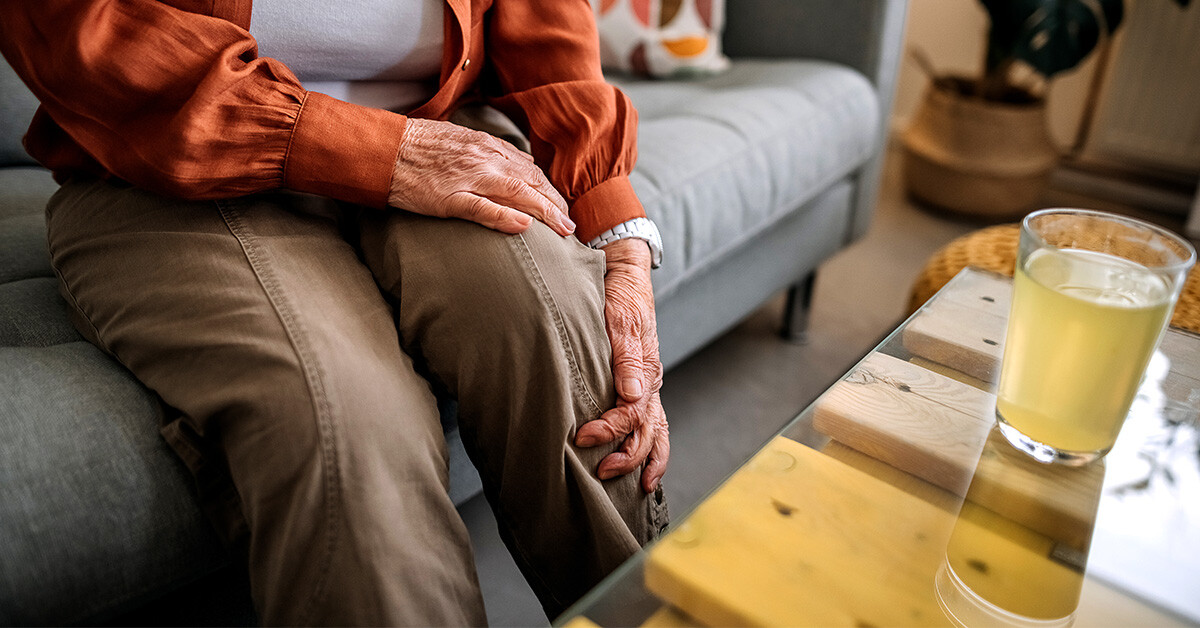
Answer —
520 196
612 425
651 364
656 462
538 181
542 186
627 362
528 171
656 465
630 455
488 213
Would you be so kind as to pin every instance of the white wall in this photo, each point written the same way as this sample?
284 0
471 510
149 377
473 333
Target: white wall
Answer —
952 33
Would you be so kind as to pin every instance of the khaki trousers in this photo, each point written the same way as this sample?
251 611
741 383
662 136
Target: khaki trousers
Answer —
297 338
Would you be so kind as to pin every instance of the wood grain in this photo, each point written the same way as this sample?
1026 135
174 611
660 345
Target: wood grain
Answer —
914 419
941 430
796 538
964 326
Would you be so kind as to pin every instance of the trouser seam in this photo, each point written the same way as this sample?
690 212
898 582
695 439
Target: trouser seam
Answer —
70 294
521 247
310 367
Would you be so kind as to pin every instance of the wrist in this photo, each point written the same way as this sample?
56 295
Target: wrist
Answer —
630 251
642 229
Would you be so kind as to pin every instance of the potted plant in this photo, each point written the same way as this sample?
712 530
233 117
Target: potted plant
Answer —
979 145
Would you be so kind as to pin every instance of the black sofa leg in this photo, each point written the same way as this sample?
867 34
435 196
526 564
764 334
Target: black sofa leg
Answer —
795 314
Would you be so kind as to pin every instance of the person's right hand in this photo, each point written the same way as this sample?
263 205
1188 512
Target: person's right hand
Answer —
449 171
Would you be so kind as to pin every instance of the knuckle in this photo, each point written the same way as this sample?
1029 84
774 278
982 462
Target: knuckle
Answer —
616 423
510 186
610 431
633 443
641 418
627 358
654 370
477 206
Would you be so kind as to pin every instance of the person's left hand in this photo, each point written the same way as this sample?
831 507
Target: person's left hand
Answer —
638 417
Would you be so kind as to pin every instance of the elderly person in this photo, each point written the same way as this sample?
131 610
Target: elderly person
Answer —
296 245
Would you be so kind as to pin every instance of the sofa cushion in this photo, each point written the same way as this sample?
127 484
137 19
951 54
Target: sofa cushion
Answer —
33 314
17 105
721 159
23 196
24 190
94 510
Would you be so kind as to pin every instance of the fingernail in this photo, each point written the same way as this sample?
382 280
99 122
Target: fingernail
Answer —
569 224
607 474
633 387
586 441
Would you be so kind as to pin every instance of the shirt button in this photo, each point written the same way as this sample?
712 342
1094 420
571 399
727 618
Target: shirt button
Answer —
466 64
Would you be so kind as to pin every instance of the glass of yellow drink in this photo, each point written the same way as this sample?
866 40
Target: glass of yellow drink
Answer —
1092 295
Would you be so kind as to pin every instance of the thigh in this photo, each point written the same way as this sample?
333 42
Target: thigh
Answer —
209 303
255 318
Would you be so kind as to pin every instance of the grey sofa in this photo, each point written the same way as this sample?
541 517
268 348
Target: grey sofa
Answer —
754 177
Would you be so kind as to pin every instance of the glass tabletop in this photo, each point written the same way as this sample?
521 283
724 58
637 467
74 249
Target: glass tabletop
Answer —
892 500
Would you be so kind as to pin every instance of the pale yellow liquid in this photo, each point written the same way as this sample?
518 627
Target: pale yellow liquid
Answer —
1082 329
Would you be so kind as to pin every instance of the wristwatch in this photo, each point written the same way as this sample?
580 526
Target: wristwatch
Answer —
640 228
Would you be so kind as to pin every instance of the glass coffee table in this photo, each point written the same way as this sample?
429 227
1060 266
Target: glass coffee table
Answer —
893 501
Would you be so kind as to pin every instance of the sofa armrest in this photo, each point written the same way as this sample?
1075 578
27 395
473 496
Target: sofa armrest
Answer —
866 35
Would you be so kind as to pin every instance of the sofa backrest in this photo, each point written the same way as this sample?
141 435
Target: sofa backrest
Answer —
862 34
17 105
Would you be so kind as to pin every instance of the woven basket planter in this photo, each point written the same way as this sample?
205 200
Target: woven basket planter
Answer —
975 157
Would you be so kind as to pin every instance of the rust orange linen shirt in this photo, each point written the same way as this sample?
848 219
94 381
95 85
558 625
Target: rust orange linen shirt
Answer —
171 95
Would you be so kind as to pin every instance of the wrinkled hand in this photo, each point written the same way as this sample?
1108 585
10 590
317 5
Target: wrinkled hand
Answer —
638 418
449 171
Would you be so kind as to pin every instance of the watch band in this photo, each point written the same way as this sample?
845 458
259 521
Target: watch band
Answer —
640 228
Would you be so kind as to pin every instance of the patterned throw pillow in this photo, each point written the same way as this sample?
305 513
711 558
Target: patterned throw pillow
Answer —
661 38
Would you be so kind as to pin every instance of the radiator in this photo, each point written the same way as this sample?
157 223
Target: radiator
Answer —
1149 111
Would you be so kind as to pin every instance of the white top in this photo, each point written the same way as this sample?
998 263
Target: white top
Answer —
377 53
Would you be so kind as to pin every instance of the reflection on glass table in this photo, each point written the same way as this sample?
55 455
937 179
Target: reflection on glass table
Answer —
893 501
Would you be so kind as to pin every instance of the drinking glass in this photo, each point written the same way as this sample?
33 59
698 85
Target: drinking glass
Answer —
1092 295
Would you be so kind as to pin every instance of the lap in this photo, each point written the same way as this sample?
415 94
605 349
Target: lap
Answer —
239 290
215 305
253 317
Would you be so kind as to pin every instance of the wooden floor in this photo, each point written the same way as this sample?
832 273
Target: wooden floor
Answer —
726 401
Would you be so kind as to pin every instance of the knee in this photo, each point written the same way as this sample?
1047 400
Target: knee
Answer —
539 279
451 276
471 301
